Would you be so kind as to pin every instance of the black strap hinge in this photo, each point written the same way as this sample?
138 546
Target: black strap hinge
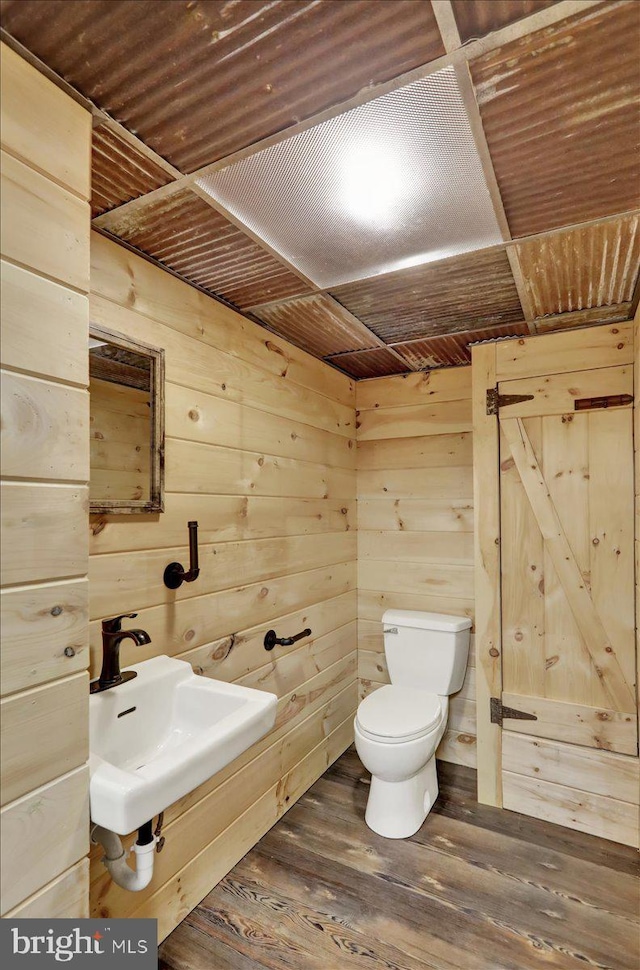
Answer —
498 712
495 401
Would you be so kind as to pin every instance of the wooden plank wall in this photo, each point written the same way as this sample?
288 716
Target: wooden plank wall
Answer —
415 521
636 439
260 451
488 637
120 442
46 140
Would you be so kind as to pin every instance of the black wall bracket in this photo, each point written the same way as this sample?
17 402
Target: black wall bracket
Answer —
175 574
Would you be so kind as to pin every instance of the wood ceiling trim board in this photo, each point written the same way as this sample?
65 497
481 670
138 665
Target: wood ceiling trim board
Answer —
521 287
341 310
537 21
469 98
447 25
258 240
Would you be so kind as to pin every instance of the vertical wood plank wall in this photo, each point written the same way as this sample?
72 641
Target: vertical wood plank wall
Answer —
587 789
488 639
415 521
46 141
636 440
260 451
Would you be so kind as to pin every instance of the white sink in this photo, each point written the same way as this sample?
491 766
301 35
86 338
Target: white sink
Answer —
157 737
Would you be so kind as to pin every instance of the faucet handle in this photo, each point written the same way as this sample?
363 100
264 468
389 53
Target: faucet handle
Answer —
114 625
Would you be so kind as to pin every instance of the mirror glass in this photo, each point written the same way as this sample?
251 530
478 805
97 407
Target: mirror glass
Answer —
126 383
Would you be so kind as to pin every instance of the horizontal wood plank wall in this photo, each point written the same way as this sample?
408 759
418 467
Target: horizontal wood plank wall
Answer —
120 438
260 451
415 521
46 142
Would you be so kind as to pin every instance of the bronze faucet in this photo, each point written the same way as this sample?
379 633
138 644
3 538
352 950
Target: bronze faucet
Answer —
112 637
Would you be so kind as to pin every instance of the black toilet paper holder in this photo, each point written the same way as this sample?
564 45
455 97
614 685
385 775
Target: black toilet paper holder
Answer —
271 639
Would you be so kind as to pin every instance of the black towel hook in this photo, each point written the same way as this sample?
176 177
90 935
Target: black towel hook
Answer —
175 574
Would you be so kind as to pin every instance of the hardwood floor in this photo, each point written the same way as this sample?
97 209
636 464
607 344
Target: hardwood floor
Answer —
476 888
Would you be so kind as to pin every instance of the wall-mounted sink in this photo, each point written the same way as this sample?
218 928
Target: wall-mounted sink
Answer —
157 737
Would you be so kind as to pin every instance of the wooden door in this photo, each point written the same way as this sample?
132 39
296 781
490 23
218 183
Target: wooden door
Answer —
567 560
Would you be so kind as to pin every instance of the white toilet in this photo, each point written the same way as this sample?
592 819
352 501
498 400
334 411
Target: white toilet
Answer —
400 725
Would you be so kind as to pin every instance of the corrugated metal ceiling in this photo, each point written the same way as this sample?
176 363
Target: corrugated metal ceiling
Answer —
119 172
595 266
453 348
370 363
461 293
195 241
479 19
560 112
198 80
316 323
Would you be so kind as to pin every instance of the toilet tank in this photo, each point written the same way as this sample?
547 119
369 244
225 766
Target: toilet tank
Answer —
427 651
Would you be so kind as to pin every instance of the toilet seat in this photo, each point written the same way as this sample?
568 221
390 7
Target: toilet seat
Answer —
393 714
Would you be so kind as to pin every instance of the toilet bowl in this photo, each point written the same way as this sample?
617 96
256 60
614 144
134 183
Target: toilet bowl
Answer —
399 726
397 731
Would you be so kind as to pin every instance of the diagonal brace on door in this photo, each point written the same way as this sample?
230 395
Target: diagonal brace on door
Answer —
588 621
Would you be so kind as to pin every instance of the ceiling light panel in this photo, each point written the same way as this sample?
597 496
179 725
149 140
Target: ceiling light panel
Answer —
394 183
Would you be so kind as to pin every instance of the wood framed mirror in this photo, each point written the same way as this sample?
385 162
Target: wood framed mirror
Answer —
126 390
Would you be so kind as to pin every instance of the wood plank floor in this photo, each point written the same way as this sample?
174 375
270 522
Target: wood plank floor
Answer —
476 888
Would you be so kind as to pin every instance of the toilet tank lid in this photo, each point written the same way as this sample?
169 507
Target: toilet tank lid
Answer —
441 622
